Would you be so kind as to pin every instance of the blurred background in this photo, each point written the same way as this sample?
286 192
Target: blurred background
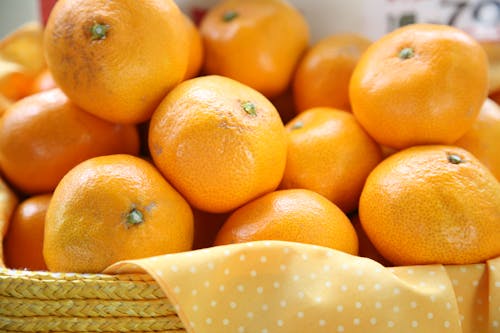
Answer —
14 13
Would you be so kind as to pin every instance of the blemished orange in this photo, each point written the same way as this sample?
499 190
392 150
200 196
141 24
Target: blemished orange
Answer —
258 43
44 135
8 203
42 82
483 139
23 244
419 84
295 215
432 204
112 208
219 142
323 74
117 59
196 53
329 153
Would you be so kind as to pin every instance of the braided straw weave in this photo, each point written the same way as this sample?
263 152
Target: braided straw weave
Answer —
54 302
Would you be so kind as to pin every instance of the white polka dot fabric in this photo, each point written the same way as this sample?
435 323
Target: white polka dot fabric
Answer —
275 286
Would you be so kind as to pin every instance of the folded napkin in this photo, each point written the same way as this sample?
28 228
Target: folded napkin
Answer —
276 286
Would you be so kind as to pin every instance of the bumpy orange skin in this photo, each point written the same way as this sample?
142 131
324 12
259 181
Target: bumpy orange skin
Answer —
430 97
329 153
215 153
255 42
123 76
419 208
295 215
323 74
23 243
483 139
87 226
44 135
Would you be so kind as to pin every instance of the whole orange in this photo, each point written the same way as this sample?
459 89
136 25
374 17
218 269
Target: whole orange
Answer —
258 42
483 139
218 142
44 135
117 59
23 243
295 215
112 208
432 204
323 74
419 84
329 153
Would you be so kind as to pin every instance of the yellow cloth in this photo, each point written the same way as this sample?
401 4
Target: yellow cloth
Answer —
275 286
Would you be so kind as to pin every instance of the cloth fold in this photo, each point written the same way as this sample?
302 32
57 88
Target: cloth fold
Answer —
276 286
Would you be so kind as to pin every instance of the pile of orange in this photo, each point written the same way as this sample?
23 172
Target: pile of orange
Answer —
145 134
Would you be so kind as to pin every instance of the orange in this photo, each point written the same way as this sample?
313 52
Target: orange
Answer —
295 215
492 49
111 208
329 153
419 84
23 244
14 84
483 139
258 43
323 74
8 202
44 135
218 142
42 82
432 204
117 59
195 58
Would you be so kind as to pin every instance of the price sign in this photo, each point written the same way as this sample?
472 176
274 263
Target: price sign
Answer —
480 18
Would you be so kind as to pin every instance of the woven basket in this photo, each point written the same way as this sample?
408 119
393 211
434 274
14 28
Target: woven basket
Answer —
54 302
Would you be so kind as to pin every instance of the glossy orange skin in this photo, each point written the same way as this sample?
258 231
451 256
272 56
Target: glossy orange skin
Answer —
418 208
124 76
329 153
215 153
483 139
323 74
295 215
432 97
87 227
44 135
23 244
260 46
